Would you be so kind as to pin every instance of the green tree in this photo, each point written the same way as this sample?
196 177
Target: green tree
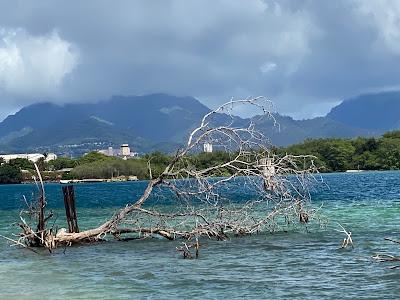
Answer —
206 160
62 162
91 157
389 154
367 161
41 164
338 154
365 144
22 163
10 174
158 162
111 168
392 134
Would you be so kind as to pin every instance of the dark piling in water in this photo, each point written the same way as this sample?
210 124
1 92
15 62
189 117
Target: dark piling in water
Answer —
70 209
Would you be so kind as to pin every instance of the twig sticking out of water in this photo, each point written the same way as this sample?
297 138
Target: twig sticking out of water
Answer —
348 241
185 249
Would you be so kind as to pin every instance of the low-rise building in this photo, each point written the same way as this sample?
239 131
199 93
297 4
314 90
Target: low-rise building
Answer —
33 157
124 151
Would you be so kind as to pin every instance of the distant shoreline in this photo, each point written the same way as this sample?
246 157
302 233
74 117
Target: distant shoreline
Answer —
89 181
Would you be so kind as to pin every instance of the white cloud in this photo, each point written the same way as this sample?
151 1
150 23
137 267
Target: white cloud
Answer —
34 65
384 15
298 53
268 67
211 49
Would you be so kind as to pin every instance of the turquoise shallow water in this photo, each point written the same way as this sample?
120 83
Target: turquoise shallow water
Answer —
292 265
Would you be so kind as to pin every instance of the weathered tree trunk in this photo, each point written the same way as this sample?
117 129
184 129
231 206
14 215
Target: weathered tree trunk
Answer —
41 225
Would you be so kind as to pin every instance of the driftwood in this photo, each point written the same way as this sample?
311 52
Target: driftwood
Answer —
384 257
201 206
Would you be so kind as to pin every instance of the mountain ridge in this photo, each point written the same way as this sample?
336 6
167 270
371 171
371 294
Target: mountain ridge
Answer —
362 110
162 121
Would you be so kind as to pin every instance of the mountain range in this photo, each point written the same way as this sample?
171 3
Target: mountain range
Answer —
161 122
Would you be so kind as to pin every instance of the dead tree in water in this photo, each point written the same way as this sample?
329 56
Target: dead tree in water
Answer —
202 206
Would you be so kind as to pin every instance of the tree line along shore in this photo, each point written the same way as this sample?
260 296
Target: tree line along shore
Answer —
331 155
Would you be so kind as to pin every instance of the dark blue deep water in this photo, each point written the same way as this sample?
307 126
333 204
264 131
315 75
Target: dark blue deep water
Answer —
285 265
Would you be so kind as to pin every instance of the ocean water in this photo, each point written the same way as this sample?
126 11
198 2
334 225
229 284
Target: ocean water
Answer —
286 265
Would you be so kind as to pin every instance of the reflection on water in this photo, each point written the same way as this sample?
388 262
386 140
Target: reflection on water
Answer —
293 265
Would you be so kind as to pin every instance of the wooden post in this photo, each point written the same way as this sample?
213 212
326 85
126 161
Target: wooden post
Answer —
70 209
41 206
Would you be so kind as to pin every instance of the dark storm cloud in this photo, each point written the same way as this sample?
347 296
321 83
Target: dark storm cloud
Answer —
305 55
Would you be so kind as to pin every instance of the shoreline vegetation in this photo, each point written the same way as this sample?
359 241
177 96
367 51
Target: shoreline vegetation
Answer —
331 155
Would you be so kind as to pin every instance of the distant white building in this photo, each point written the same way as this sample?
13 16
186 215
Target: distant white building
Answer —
124 151
108 152
50 156
33 157
208 147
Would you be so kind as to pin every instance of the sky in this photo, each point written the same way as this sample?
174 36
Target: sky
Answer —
306 56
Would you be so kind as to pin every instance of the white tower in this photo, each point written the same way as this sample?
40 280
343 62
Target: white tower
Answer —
125 150
208 147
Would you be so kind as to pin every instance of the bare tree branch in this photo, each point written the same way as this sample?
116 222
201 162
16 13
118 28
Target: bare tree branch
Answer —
276 189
